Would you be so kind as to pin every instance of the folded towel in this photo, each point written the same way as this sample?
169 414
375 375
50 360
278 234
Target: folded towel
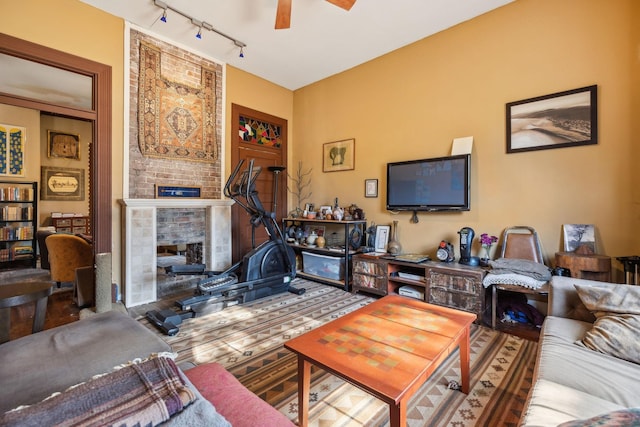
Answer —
521 266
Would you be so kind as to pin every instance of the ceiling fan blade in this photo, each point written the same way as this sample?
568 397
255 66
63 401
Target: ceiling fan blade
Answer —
345 4
283 14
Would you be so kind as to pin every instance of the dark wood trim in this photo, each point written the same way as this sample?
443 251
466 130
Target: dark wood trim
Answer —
241 243
100 115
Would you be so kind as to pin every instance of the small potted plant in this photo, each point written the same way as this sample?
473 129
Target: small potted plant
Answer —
486 241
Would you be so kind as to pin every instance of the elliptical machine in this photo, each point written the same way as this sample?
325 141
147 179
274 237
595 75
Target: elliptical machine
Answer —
267 269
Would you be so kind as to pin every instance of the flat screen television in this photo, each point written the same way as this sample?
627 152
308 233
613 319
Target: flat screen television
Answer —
436 184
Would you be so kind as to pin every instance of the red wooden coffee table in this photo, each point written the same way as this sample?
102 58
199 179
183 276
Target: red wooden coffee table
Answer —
388 348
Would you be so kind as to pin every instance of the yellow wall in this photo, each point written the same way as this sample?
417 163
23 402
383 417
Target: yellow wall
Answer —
411 103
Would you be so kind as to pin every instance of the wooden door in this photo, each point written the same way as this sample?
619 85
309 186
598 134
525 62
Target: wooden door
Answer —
263 138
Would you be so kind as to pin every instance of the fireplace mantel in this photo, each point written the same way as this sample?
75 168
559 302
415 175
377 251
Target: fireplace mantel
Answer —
140 241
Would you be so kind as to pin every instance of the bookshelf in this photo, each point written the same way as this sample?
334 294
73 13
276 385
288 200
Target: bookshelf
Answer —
18 213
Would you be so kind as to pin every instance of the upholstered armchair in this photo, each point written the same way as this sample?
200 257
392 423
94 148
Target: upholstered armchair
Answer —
66 254
41 237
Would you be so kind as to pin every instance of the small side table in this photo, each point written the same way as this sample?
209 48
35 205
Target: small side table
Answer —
591 267
20 293
631 268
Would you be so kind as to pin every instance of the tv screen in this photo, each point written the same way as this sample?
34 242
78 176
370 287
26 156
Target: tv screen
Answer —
437 184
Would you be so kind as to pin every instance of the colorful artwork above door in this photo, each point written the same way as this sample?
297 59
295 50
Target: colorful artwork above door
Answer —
254 131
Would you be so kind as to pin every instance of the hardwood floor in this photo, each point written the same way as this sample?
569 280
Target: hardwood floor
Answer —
60 306
60 310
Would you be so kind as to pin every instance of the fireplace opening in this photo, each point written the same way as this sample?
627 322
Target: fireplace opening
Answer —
180 240
178 254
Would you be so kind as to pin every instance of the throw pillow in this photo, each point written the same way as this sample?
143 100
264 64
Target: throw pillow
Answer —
616 331
620 418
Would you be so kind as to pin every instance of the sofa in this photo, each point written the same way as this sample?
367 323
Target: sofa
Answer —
112 361
587 370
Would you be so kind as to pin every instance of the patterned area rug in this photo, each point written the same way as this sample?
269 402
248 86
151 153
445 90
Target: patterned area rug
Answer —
248 340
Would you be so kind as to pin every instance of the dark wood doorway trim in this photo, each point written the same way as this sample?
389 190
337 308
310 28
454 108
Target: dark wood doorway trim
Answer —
100 155
264 156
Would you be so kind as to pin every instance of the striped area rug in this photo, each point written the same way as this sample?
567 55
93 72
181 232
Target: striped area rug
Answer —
248 340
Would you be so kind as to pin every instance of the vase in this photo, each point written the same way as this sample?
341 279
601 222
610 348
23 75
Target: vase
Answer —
393 246
320 242
484 262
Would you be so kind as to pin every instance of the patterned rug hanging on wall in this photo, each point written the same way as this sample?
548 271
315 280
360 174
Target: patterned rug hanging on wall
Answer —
176 120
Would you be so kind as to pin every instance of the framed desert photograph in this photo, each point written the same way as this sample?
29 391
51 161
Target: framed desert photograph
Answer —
562 119
63 145
339 155
577 235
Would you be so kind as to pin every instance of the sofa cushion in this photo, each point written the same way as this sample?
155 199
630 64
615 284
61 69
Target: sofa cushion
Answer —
602 376
617 326
232 400
620 418
551 403
35 366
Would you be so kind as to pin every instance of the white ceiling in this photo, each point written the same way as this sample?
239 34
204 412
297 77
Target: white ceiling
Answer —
323 39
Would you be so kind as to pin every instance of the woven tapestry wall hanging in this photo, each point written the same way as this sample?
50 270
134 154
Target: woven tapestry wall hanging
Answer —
176 120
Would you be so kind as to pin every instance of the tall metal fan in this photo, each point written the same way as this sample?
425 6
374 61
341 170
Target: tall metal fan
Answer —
283 14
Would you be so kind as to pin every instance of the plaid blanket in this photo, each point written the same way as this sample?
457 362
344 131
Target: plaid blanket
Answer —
139 394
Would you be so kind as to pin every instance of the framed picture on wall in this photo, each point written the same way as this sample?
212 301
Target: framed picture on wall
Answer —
63 145
563 119
63 184
12 154
370 188
339 155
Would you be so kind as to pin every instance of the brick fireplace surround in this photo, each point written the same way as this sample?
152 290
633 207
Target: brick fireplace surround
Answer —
140 241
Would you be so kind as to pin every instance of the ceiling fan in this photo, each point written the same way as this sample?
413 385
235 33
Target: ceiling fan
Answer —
283 13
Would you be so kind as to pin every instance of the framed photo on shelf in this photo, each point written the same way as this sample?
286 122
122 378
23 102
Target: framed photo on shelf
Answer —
63 145
577 235
339 155
370 188
325 209
563 119
382 237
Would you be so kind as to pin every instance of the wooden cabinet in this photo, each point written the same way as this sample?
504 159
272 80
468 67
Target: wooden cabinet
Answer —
369 274
458 287
591 267
72 225
18 213
451 285
331 264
